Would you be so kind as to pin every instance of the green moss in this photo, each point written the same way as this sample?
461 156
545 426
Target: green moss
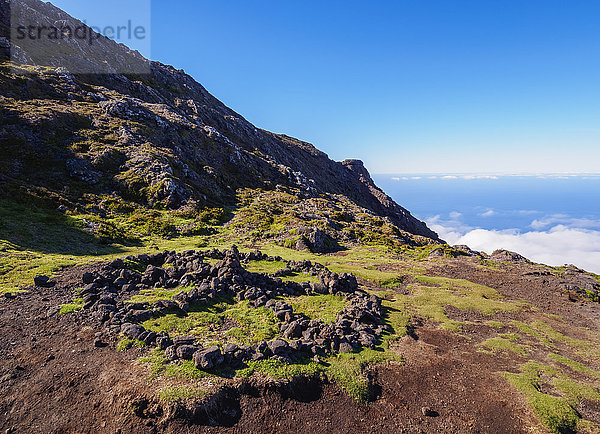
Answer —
180 393
222 321
281 370
430 301
126 344
213 216
576 366
264 266
346 370
495 324
300 278
318 307
156 294
557 412
502 344
76 305
393 282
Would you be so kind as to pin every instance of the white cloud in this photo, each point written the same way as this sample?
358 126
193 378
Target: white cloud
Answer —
488 213
557 246
564 220
455 215
469 177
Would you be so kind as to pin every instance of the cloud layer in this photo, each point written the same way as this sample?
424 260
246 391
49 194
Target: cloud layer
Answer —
573 241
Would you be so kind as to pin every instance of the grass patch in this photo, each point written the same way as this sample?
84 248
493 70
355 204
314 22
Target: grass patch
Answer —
264 266
346 369
126 344
300 278
220 321
392 282
160 367
495 324
180 393
156 294
503 344
76 305
430 301
318 307
576 366
557 411
280 370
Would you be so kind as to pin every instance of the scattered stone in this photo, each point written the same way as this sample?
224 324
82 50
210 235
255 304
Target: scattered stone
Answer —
428 412
209 358
186 352
99 343
43 281
132 331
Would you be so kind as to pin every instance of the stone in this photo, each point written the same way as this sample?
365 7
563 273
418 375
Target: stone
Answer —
184 340
293 331
132 331
186 352
99 343
163 342
88 278
428 412
42 281
345 347
171 352
208 358
279 347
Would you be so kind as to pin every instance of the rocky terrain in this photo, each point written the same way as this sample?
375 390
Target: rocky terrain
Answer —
165 266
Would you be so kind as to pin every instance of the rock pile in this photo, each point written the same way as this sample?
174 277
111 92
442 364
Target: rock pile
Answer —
358 325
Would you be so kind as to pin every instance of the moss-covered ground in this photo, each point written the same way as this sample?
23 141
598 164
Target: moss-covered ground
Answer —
555 369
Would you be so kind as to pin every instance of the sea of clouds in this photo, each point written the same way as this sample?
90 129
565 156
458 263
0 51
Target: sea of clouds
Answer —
554 239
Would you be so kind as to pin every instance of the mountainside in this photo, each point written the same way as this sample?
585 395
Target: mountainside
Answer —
159 138
165 266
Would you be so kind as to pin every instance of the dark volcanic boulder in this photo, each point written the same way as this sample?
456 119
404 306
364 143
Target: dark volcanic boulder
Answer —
186 352
208 358
132 331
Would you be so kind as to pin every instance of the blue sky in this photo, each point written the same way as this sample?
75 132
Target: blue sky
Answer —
408 87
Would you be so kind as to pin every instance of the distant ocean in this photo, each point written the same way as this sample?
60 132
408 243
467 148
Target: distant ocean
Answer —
554 219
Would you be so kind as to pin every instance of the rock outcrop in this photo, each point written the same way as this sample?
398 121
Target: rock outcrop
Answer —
158 138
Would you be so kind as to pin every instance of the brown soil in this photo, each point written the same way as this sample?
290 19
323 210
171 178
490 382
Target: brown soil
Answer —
53 379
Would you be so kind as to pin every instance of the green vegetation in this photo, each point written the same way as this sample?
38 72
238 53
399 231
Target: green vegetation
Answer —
180 393
550 337
556 409
392 282
300 277
264 266
280 370
126 344
161 367
318 307
430 301
220 321
504 344
76 305
156 294
346 370
495 324
576 366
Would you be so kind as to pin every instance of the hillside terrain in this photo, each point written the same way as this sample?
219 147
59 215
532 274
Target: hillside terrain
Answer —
165 266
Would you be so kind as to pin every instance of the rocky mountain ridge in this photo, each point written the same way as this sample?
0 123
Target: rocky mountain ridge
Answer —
160 137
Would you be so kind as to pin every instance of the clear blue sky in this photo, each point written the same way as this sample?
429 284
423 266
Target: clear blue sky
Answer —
407 86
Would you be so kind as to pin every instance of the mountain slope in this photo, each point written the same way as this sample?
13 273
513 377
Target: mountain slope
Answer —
160 137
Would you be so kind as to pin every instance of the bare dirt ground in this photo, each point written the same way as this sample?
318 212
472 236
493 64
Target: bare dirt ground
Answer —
53 379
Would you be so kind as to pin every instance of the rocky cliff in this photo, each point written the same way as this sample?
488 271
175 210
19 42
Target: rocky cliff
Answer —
159 137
